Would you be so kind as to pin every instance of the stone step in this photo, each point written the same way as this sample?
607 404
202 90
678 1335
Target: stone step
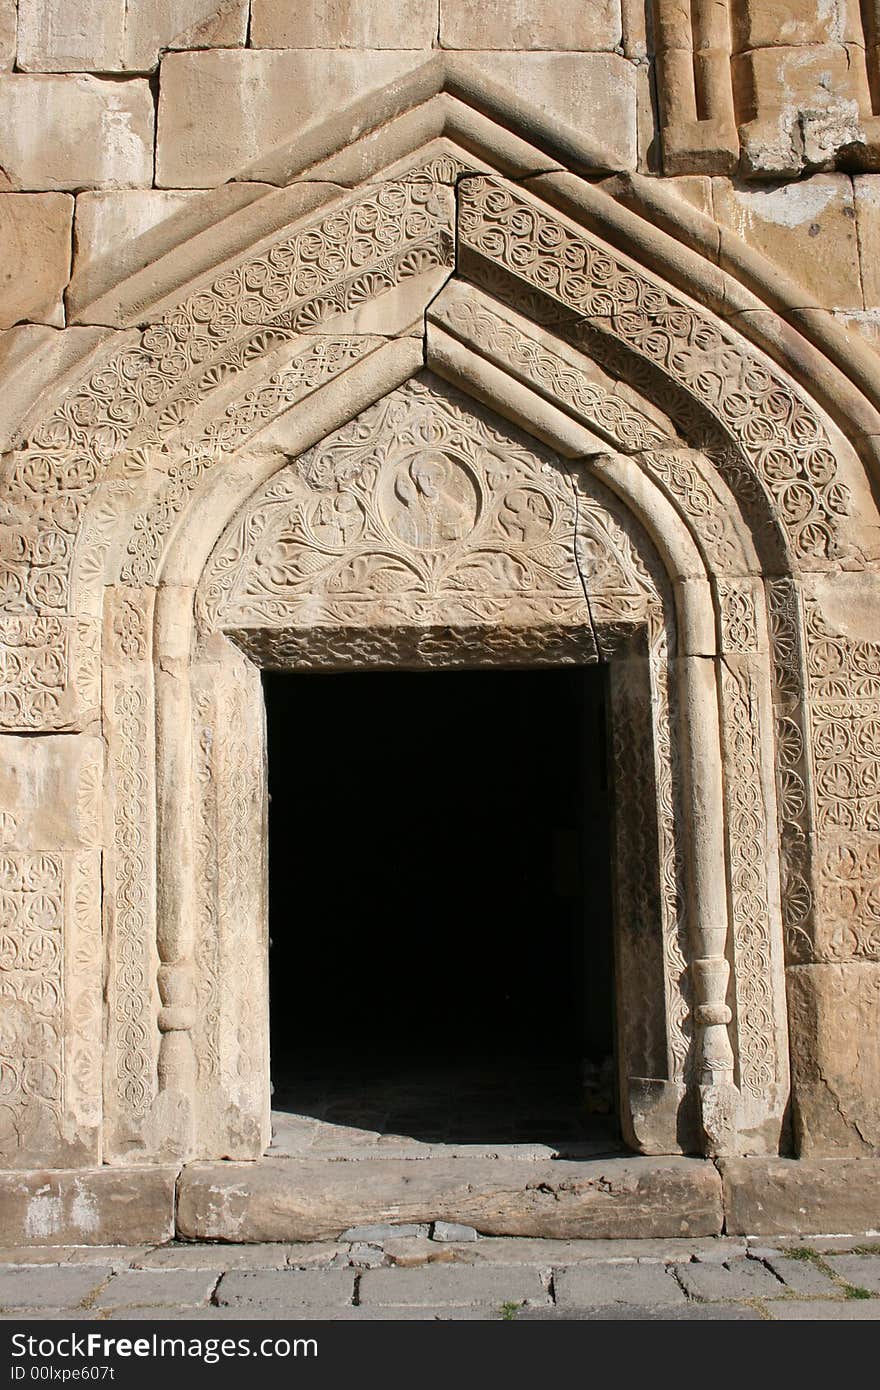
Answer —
298 1199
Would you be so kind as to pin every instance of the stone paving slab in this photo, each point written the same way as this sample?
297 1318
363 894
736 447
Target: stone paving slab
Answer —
597 1283
46 1287
622 1312
741 1279
447 1284
260 1313
157 1288
280 1291
221 1257
862 1271
674 1279
847 1310
803 1276
111 1256
835 1244
536 1251
57 1315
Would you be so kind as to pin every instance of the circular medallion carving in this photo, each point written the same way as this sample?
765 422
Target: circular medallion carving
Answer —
430 501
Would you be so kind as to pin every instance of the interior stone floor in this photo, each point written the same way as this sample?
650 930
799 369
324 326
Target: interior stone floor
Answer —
411 1107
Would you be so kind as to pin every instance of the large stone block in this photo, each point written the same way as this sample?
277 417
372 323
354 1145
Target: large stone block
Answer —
867 206
785 1196
93 1206
292 1199
120 232
71 35
8 24
33 355
594 95
115 36
585 25
835 1053
218 112
35 236
771 23
50 792
807 106
343 24
75 132
198 24
806 228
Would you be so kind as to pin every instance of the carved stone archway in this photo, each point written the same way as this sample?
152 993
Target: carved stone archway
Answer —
707 509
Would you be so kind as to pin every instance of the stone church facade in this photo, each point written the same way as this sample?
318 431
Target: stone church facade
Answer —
439 336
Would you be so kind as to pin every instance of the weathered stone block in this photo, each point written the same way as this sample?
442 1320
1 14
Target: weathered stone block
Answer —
867 207
179 24
92 1206
8 23
48 1288
75 132
802 1276
51 792
770 23
343 24
280 1291
807 228
218 112
833 1012
121 232
35 250
154 1288
294 1200
720 1282
600 1283
808 107
770 1196
114 36
592 94
71 35
860 1271
584 25
433 1286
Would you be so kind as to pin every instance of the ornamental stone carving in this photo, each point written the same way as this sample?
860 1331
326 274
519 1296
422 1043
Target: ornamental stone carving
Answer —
436 419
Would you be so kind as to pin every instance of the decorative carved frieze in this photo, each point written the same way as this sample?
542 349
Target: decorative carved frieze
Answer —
780 439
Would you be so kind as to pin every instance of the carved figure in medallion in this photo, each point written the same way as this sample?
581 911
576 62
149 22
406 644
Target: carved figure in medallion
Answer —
432 503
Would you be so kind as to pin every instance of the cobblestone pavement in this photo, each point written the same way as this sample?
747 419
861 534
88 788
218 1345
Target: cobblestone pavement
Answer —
444 1272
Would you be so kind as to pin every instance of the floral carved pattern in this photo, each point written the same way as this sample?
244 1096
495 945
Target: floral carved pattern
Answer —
31 994
750 914
370 242
134 1075
779 436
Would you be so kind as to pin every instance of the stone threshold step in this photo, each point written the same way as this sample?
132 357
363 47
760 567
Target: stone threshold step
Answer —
306 1199
291 1199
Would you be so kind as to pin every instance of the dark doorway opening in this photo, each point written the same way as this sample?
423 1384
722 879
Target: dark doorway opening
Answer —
440 904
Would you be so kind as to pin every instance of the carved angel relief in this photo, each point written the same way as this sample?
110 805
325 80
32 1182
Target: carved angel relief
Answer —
421 512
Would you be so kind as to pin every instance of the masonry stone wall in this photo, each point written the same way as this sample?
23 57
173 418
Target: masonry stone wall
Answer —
631 247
